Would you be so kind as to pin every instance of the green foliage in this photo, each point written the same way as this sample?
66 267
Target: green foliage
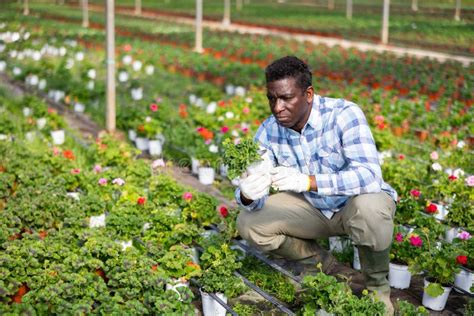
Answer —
238 157
403 251
177 263
245 309
407 309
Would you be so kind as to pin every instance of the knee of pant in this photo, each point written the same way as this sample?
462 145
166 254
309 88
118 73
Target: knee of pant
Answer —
242 226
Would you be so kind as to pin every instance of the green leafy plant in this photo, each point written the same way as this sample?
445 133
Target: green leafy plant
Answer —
407 309
238 157
406 247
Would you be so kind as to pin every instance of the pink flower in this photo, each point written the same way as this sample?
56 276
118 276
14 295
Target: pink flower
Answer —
379 119
470 181
102 181
56 151
434 155
118 181
416 241
245 129
246 110
464 235
199 129
224 129
431 208
158 163
187 196
399 237
154 107
75 171
158 100
223 211
127 47
97 168
452 178
415 193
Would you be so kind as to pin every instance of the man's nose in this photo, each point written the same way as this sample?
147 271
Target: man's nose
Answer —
279 105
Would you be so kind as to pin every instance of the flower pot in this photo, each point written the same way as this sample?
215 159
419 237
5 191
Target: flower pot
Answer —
74 195
356 259
322 312
79 108
338 244
41 122
206 175
464 280
451 233
442 212
3 137
58 137
174 284
97 221
155 147
194 165
29 136
435 303
142 143
398 276
223 170
132 135
125 244
210 307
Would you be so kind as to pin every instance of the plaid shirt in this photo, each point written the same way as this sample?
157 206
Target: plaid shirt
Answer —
335 145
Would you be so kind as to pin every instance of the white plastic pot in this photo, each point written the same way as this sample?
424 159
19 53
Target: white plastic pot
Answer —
27 111
338 244
142 143
210 307
97 221
194 165
322 312
41 122
79 107
223 170
132 135
174 284
155 147
399 276
29 136
450 234
74 195
58 137
206 175
442 212
3 137
464 279
356 259
435 303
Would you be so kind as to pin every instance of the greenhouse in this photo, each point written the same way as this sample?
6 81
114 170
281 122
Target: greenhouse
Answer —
237 157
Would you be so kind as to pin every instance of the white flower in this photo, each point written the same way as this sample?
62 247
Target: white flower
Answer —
137 65
158 163
79 56
34 80
192 98
229 89
15 37
36 55
118 181
199 103
220 118
229 114
16 71
90 85
149 69
26 36
62 51
211 107
448 171
461 144
20 56
42 84
3 65
458 173
91 73
436 167
13 53
240 91
248 99
213 148
2 47
79 107
148 119
127 59
137 94
69 63
123 76
235 133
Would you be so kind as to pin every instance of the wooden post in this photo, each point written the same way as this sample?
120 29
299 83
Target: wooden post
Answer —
26 7
457 13
138 7
331 4
198 45
110 111
386 12
226 20
349 9
85 13
238 5
414 5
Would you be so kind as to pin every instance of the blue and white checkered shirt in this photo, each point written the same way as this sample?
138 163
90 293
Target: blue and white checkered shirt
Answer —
335 145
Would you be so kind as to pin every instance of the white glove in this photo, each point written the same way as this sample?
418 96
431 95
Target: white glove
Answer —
289 179
255 186
262 166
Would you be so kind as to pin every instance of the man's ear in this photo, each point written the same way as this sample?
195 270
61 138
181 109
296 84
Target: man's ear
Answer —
309 94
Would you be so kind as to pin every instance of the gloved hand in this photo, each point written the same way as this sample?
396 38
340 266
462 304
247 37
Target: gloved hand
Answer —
289 179
255 186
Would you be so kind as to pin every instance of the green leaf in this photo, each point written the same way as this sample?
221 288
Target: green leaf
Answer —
434 289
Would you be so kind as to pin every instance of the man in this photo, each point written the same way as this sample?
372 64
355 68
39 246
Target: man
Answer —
329 181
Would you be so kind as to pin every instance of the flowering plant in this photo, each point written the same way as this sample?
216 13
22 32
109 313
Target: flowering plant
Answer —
461 211
178 263
406 247
465 243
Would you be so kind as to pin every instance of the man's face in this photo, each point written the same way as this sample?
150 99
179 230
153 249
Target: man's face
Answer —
290 104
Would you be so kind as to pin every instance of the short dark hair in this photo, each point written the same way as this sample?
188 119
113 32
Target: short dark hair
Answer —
289 67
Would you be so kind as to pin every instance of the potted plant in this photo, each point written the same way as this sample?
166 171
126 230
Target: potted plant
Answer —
407 309
465 244
237 157
55 126
461 214
439 264
206 153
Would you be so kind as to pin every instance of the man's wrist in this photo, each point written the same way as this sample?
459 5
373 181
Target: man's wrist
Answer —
312 183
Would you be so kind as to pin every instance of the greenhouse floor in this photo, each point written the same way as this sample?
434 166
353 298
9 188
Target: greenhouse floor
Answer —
89 130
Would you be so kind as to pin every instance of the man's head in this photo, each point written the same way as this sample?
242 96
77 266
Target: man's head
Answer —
290 91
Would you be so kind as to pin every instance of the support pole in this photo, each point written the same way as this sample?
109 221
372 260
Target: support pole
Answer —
198 45
138 7
238 5
386 12
414 5
110 111
457 13
349 9
226 20
85 13
26 7
331 4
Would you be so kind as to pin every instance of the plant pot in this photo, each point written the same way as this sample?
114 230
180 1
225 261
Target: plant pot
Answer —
155 147
30 136
194 165
142 143
74 195
174 284
356 259
41 122
322 312
421 134
442 212
450 234
3 137
435 303
338 244
79 108
125 244
58 137
223 170
464 280
210 307
206 175
132 135
97 221
399 276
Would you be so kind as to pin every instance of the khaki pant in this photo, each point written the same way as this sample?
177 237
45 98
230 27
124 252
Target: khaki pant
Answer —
287 225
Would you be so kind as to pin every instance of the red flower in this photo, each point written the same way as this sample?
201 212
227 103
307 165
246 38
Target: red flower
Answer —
187 196
461 260
68 154
452 177
224 129
223 211
154 107
221 103
141 200
416 241
205 133
432 208
399 237
127 47
401 156
415 193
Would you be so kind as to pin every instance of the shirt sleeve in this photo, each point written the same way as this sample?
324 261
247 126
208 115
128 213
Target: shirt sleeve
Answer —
362 173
